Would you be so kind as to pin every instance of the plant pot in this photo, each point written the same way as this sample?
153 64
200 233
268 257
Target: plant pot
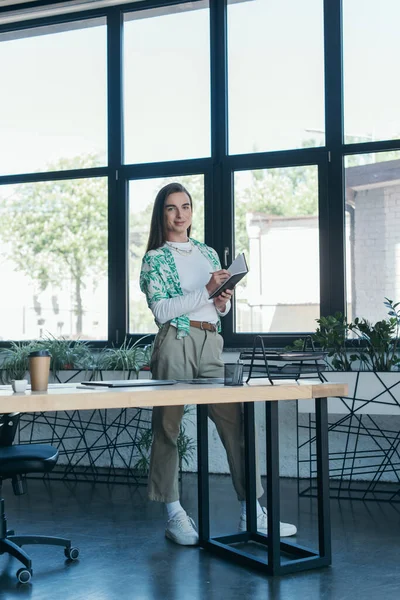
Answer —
370 393
19 385
363 436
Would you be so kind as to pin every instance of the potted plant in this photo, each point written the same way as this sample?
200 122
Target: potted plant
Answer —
70 355
368 353
124 361
361 345
363 438
15 362
67 355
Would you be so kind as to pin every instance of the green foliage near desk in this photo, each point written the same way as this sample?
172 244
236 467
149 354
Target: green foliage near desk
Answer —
130 356
67 354
73 355
360 345
15 362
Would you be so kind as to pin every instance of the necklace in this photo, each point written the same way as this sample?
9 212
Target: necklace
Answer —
182 251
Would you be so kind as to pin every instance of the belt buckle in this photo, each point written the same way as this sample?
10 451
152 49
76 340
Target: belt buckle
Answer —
201 325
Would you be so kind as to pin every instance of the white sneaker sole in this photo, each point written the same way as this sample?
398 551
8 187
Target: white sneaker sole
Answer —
286 530
187 542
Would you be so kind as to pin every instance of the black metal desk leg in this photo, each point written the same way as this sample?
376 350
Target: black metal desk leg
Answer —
324 523
202 470
272 433
250 466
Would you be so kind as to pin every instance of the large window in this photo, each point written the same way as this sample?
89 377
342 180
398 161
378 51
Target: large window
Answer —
167 84
371 58
281 118
54 233
276 225
141 199
53 110
372 188
276 75
53 243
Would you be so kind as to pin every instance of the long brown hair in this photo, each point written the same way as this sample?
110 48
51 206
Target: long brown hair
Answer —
157 229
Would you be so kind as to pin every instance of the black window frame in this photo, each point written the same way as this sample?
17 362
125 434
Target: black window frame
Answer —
218 169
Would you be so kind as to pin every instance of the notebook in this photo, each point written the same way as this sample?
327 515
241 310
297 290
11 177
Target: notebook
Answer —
238 270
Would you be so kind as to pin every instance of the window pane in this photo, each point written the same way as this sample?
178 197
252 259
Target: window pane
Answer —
276 75
276 225
372 187
371 52
142 194
167 84
53 243
53 98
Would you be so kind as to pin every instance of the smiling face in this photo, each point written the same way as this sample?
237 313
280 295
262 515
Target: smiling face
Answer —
177 217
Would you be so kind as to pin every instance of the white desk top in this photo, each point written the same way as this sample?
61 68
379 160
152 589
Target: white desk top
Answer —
70 397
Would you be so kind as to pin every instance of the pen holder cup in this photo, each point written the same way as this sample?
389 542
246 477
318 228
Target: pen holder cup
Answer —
233 374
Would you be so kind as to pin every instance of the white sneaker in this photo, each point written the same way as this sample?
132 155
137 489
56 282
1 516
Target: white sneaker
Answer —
182 530
286 529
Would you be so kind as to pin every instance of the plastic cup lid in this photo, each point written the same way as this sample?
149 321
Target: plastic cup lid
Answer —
39 353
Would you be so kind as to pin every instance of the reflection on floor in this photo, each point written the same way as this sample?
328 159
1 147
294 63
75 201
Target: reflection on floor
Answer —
124 554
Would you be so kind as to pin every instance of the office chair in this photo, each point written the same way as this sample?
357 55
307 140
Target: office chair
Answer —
17 460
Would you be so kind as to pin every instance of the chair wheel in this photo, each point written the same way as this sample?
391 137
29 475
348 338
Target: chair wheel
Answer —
71 553
24 575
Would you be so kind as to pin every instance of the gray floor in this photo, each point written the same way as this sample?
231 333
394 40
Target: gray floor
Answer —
124 554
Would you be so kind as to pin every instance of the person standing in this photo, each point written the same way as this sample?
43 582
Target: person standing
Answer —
177 276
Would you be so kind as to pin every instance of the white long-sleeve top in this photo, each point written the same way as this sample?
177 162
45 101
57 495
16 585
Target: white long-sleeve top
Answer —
194 273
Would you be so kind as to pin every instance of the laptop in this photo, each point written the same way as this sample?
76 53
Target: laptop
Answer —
118 383
203 380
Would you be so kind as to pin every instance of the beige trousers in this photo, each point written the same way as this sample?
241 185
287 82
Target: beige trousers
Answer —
196 355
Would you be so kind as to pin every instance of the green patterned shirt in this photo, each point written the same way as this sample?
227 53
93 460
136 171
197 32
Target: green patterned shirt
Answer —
159 280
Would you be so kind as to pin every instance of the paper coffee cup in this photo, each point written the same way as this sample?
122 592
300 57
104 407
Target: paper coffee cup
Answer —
39 369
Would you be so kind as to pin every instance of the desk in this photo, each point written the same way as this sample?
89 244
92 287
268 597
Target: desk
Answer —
282 557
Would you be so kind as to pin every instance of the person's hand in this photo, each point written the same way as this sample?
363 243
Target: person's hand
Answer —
217 278
221 301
